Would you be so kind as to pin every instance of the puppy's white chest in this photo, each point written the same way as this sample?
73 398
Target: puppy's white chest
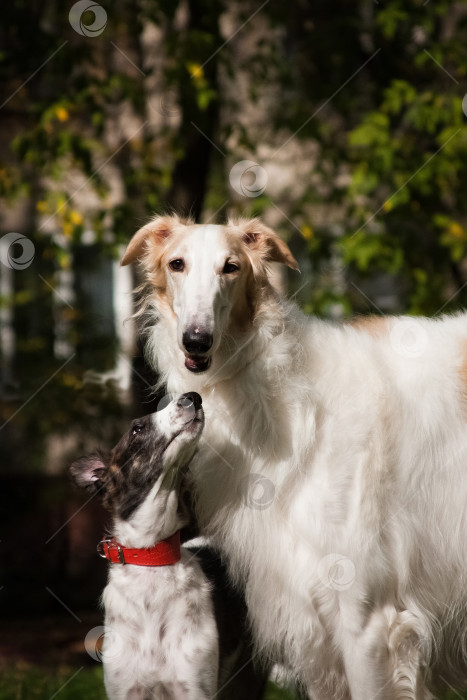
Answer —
160 626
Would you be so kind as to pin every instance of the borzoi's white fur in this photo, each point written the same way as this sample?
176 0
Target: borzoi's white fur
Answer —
333 466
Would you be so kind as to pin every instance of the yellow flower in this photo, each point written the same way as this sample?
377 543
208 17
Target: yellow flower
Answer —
456 229
195 70
76 218
307 232
387 206
64 260
71 381
61 114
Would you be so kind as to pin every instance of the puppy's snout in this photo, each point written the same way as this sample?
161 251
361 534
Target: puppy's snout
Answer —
196 341
189 399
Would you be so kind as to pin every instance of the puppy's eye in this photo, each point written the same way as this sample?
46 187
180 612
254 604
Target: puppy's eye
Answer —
177 265
230 267
137 428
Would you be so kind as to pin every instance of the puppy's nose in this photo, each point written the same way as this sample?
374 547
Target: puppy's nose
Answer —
196 341
190 399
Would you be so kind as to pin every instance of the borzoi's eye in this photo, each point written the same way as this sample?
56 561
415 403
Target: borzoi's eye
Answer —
177 265
137 428
230 267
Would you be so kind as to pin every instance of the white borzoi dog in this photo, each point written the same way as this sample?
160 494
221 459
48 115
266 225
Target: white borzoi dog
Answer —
332 471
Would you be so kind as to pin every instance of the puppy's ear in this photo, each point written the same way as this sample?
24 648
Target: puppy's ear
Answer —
150 237
264 244
90 472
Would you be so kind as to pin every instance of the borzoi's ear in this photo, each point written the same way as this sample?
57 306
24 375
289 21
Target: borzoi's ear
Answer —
262 242
90 472
149 238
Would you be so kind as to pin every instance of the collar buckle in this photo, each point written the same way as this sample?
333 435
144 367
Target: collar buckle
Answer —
105 548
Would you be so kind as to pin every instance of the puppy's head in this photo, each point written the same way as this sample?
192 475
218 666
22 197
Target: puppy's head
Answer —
206 279
156 448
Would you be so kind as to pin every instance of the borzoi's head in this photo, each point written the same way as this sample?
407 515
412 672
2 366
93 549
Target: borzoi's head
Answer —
206 277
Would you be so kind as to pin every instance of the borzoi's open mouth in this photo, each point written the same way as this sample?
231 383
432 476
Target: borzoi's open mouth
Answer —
197 364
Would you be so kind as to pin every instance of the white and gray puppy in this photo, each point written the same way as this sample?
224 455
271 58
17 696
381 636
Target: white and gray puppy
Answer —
161 639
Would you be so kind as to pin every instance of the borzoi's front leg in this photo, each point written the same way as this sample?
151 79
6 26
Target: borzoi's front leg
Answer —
384 659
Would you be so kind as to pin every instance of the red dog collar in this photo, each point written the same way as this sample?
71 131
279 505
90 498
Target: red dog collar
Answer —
162 553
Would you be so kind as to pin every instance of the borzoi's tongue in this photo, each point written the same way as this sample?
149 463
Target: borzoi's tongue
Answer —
197 364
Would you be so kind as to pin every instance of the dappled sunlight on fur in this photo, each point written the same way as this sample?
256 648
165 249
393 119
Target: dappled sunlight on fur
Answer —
355 573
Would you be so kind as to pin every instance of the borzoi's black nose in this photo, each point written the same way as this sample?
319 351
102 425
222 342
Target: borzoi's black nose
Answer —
190 398
196 341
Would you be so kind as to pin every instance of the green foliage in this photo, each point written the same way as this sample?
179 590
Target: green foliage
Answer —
406 191
397 127
370 251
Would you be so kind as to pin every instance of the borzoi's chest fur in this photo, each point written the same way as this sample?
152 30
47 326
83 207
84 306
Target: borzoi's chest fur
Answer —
354 435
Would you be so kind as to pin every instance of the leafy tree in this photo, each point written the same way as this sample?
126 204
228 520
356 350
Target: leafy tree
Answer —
385 82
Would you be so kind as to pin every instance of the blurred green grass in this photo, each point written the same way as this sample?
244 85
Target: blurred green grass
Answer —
28 682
